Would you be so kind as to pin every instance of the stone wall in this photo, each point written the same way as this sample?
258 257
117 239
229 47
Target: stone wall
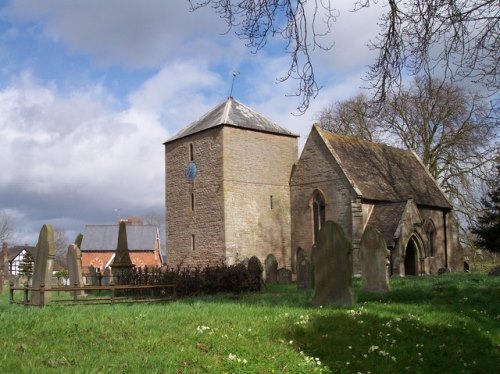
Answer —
257 169
317 170
203 225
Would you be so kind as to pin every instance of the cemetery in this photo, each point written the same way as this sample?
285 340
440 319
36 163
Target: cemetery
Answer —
253 317
346 260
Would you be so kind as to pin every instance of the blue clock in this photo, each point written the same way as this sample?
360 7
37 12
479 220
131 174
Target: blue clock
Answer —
190 171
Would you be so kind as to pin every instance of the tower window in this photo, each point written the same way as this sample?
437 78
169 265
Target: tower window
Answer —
192 201
271 201
191 152
192 242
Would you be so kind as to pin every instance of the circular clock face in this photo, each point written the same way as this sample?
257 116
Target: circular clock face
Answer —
190 171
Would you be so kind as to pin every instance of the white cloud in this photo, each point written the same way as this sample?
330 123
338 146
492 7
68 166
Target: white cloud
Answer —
145 33
71 156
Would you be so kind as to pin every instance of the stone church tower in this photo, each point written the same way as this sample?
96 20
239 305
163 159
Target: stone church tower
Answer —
227 188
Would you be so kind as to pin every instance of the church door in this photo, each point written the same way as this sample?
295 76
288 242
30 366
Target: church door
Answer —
411 258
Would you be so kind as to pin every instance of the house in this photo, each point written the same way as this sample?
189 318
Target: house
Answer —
100 241
227 188
15 257
358 183
235 188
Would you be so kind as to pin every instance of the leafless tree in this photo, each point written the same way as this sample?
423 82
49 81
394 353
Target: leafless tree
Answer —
459 37
154 219
61 242
302 30
453 131
353 117
6 227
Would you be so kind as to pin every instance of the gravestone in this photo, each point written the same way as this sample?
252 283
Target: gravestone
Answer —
122 265
93 276
255 271
304 273
106 280
495 272
271 268
284 276
44 260
373 256
74 262
333 267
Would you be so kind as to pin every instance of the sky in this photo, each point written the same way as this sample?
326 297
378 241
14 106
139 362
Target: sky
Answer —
90 90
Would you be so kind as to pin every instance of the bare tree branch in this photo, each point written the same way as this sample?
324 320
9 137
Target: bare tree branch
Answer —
257 21
458 38
7 231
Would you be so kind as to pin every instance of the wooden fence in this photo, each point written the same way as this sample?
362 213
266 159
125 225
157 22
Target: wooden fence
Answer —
110 294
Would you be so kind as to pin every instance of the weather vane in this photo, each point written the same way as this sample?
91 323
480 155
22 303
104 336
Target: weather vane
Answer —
235 74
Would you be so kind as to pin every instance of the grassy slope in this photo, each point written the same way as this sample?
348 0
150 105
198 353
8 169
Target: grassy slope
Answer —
446 324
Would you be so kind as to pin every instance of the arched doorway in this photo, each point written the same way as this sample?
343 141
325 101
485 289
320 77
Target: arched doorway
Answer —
411 257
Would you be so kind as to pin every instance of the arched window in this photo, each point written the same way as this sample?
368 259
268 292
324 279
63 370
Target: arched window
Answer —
319 209
430 231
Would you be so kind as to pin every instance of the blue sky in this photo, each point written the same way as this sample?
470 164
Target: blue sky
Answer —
89 91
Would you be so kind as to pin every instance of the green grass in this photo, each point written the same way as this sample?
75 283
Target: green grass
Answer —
445 324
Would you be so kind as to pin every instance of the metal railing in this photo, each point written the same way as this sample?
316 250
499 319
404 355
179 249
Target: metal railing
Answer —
116 294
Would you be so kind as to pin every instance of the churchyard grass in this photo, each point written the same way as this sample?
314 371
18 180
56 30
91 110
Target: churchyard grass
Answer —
442 324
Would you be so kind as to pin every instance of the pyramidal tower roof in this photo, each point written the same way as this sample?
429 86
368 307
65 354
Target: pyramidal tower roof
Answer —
232 113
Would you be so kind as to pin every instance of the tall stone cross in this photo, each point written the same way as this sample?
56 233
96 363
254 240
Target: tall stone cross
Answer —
121 263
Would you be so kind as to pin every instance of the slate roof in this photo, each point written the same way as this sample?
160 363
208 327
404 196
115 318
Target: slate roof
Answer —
386 218
16 250
232 113
383 173
105 238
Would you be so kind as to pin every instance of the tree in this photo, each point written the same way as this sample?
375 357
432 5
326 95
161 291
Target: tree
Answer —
256 21
458 37
6 227
353 117
154 218
26 266
61 242
451 129
487 228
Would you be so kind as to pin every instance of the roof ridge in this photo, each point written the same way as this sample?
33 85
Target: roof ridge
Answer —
227 108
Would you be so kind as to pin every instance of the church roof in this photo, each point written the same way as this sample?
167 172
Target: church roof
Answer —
232 113
105 238
383 173
386 218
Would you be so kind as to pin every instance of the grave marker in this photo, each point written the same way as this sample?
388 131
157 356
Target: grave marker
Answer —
373 256
304 273
74 262
122 264
255 270
271 267
284 276
333 267
42 273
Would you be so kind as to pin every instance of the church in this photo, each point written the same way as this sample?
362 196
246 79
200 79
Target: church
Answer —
236 188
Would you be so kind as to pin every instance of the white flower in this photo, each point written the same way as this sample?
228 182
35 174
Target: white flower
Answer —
232 357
